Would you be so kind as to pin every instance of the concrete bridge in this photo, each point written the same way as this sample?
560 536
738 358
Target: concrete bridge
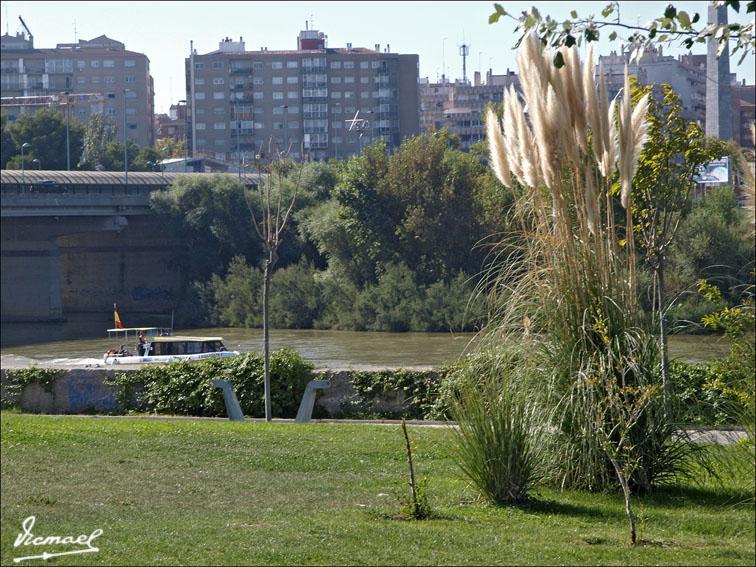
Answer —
75 242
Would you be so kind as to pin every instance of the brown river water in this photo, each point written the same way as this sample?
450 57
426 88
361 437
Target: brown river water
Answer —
85 337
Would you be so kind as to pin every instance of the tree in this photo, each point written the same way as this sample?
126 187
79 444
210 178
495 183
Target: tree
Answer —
276 206
45 131
673 25
675 150
171 147
7 148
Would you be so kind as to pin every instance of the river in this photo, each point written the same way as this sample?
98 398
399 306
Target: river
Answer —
82 337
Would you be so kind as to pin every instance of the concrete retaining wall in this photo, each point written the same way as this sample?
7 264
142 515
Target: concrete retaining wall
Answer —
84 391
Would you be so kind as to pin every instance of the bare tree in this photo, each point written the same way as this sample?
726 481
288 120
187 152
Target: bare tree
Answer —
275 210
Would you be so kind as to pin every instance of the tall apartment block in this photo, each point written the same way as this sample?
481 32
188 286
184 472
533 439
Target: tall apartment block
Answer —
458 106
243 102
118 80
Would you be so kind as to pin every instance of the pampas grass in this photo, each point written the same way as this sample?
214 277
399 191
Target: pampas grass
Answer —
573 279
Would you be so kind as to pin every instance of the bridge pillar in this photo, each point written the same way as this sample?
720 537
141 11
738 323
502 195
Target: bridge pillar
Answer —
30 281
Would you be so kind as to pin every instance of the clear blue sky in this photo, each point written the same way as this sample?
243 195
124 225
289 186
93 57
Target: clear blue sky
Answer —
162 30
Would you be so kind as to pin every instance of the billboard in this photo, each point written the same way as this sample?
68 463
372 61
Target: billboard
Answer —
717 171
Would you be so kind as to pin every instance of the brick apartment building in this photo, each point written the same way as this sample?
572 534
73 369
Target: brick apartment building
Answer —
243 102
458 106
118 80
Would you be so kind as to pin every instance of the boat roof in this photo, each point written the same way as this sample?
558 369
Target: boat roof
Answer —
175 339
126 329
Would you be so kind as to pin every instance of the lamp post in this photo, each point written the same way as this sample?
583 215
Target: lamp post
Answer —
68 128
39 164
24 146
238 133
186 141
125 143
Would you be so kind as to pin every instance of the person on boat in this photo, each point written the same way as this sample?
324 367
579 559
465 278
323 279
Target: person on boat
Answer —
140 346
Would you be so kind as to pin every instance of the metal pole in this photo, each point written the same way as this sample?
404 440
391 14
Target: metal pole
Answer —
238 128
125 143
23 169
68 138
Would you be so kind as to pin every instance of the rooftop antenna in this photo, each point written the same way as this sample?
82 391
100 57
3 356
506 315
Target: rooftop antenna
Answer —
7 31
464 51
75 36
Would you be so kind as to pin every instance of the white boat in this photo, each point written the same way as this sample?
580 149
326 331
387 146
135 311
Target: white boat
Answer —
155 345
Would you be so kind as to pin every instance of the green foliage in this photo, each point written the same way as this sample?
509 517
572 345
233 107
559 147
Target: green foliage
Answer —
45 131
418 388
185 388
17 379
709 393
500 434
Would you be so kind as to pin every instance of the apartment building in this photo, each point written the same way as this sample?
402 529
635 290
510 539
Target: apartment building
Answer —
458 106
246 103
117 80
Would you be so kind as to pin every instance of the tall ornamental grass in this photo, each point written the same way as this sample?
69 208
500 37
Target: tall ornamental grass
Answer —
500 434
574 153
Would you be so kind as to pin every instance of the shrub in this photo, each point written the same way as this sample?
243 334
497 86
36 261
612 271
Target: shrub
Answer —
17 379
419 387
709 393
500 438
186 387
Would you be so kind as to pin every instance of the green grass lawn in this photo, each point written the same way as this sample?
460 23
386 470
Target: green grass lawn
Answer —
216 492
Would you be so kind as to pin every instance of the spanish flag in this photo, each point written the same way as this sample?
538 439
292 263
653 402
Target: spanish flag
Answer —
118 324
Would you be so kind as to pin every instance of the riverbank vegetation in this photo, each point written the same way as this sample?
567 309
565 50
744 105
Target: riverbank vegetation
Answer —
404 243
217 492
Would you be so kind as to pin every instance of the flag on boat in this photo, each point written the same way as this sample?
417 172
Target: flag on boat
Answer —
118 324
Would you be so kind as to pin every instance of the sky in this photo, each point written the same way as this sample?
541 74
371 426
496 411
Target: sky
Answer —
434 30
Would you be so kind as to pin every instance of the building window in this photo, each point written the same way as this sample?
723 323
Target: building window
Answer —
131 111
257 65
199 96
94 63
291 64
277 81
217 64
130 79
219 110
292 80
81 80
335 80
257 96
335 94
199 66
276 65
129 63
349 94
259 125
218 81
363 64
375 64
335 64
80 65
364 80
277 95
219 95
219 125
108 63
293 125
95 80
257 81
109 80
364 94
278 110
292 94
199 82
293 110
349 79
348 64
336 109
199 126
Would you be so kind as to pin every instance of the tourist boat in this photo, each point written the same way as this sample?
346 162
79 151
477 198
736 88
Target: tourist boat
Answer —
155 344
